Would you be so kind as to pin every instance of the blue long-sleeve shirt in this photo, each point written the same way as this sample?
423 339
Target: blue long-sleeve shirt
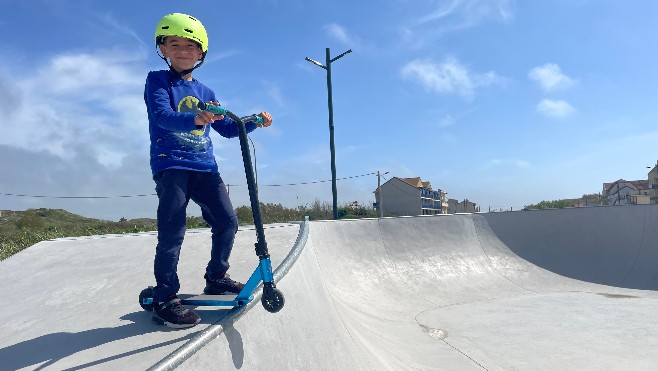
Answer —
176 141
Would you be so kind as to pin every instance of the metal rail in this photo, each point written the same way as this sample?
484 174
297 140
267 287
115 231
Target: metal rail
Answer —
185 351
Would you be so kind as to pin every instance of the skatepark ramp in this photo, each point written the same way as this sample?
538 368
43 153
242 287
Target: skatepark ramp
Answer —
567 289
616 246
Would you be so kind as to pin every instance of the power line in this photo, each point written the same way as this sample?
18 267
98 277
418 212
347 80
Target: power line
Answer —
155 194
318 181
90 197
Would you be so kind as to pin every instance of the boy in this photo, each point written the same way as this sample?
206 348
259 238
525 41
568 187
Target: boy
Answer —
184 167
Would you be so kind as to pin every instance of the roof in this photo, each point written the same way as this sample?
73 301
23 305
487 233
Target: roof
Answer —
416 182
638 184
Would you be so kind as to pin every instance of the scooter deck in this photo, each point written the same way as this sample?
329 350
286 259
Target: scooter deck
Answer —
205 300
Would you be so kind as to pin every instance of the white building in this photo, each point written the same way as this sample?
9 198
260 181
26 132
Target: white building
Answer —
653 184
410 196
465 206
627 192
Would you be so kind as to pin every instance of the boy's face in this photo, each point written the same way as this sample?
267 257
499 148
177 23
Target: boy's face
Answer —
182 53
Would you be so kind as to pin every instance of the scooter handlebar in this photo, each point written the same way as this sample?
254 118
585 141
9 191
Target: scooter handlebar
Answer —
253 118
219 110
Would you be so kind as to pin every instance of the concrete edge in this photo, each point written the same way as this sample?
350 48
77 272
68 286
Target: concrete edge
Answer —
241 228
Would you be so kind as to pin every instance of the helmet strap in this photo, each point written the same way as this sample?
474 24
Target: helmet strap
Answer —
185 72
181 73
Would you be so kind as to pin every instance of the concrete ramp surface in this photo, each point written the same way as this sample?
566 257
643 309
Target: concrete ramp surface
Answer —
570 289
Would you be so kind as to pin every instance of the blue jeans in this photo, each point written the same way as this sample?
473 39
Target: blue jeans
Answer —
175 188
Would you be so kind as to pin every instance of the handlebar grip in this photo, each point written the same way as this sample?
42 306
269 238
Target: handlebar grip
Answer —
217 110
253 118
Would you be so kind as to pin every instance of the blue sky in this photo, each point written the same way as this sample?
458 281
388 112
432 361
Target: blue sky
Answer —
502 102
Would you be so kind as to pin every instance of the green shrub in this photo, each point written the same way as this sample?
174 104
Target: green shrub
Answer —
21 229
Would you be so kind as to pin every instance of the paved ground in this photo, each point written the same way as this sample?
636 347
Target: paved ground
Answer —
571 289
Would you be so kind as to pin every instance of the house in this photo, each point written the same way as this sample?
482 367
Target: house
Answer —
464 206
627 192
653 184
410 196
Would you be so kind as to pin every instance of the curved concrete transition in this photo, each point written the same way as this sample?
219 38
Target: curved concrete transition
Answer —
570 289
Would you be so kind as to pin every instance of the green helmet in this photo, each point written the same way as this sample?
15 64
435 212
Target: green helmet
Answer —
182 25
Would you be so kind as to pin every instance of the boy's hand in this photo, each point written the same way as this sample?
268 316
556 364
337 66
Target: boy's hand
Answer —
206 117
267 119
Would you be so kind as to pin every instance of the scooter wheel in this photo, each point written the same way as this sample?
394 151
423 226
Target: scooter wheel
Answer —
272 300
146 299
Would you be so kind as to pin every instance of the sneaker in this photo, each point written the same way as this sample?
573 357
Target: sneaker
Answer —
173 314
222 286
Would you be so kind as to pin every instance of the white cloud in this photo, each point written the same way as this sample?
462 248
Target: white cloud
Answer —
10 99
218 55
41 173
348 39
109 20
550 77
81 105
555 108
109 158
339 33
274 92
469 13
448 77
75 73
442 12
452 16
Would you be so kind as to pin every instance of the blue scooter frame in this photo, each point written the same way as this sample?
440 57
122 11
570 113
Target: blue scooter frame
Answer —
245 296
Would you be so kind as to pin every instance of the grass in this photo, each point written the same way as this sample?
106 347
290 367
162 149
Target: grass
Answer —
22 229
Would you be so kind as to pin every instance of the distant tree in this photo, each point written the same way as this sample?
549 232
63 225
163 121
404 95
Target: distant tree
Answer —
245 217
555 204
318 210
594 199
277 213
356 211
195 222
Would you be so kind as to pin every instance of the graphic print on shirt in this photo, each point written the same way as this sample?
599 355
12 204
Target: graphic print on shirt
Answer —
190 104
196 140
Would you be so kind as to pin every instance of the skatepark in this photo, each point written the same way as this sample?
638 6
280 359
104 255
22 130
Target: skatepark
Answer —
562 289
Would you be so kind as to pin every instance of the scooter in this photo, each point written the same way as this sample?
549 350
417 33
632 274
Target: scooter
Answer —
272 298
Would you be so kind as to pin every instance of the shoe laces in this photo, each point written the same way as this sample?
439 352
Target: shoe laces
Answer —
227 280
175 306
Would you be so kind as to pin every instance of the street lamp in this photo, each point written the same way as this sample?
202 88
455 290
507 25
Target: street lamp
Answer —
327 67
379 194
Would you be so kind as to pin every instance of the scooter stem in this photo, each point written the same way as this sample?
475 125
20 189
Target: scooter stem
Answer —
261 244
